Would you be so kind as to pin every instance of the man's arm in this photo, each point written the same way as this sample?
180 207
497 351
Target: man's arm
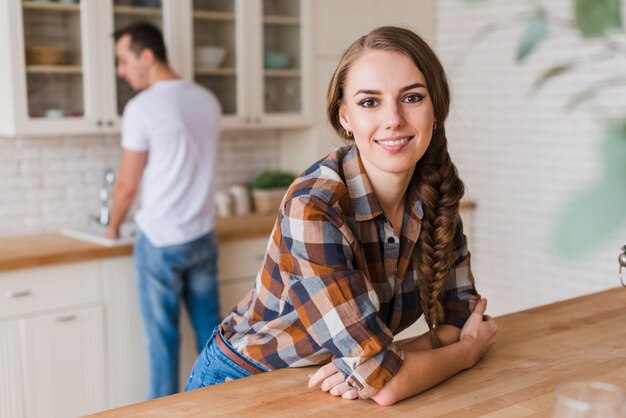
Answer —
126 187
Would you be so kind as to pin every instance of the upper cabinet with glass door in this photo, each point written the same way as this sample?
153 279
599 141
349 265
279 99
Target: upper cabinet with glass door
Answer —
215 51
57 63
45 74
283 58
251 54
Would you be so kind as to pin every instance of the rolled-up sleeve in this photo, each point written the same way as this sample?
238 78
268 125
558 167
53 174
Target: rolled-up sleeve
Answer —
460 295
336 304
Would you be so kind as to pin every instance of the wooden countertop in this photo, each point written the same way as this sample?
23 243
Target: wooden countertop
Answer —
46 249
537 349
29 251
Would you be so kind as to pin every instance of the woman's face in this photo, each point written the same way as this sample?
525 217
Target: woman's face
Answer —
387 107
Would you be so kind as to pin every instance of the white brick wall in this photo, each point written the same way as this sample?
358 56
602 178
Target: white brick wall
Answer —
50 183
523 157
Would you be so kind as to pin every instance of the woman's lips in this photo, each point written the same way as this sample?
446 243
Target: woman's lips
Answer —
394 144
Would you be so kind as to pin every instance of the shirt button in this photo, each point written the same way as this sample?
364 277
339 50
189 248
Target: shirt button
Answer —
391 240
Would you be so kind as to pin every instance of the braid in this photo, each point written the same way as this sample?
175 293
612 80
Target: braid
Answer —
440 190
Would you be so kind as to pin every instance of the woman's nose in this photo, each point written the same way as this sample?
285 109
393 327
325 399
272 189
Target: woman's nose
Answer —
393 116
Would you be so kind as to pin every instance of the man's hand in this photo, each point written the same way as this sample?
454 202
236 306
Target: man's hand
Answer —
332 381
111 232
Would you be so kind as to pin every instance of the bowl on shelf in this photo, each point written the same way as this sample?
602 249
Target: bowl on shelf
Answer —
209 56
45 55
276 59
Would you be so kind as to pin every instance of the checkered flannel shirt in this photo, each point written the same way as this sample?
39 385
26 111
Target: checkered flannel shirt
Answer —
336 282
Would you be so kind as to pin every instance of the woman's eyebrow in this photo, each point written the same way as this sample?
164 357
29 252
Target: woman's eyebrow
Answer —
412 86
377 92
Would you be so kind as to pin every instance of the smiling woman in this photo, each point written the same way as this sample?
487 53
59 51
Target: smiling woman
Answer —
366 241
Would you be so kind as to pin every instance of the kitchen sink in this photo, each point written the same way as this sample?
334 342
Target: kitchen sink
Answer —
95 234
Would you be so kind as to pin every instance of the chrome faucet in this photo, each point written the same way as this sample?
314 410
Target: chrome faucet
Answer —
108 178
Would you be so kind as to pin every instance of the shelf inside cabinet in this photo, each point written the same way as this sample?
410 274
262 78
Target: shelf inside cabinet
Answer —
215 71
209 15
54 69
282 73
61 7
281 20
137 11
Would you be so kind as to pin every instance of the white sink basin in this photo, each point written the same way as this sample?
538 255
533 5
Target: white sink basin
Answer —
95 234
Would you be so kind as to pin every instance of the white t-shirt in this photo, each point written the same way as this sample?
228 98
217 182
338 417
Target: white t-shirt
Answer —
178 123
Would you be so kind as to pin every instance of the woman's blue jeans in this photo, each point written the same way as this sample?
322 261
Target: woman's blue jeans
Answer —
165 276
213 366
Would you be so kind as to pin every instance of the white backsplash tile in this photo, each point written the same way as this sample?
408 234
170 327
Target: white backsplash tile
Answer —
53 182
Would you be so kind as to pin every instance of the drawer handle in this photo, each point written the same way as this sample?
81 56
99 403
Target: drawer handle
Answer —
11 294
66 318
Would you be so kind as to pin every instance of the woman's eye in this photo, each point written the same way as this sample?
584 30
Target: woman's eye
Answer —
413 98
367 103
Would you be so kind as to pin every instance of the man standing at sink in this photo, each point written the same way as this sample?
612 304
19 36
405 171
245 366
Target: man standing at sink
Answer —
170 135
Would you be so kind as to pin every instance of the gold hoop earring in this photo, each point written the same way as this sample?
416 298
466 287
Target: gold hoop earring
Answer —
348 133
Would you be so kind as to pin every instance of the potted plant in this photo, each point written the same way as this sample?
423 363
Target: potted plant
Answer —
269 188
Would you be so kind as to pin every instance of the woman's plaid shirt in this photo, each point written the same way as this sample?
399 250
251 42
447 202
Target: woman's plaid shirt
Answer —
337 283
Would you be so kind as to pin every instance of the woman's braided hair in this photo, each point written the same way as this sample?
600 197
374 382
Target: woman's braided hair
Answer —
438 184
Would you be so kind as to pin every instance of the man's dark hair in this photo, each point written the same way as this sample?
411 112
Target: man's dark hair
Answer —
144 35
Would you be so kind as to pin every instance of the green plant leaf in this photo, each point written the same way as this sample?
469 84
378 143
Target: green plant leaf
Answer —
272 180
592 91
580 97
551 73
600 210
536 31
596 17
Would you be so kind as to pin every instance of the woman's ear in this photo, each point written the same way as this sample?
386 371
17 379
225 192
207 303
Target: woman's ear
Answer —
343 118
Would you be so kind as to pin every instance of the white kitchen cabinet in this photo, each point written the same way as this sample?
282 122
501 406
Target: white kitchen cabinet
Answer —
57 64
11 382
238 264
64 363
127 381
51 342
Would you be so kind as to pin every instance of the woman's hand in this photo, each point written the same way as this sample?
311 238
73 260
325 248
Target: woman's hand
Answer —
479 332
332 381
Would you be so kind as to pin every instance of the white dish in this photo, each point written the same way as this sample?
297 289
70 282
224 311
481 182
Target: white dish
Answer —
209 56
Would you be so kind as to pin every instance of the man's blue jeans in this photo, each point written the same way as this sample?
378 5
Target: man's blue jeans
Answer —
165 276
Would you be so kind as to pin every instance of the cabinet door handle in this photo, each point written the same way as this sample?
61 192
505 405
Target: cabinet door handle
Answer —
248 120
109 123
66 318
257 120
98 123
12 294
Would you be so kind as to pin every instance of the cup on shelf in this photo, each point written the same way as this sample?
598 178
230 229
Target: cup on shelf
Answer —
276 59
241 198
54 113
223 204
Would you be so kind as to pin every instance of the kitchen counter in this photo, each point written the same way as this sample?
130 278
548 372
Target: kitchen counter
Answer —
45 249
29 251
537 349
